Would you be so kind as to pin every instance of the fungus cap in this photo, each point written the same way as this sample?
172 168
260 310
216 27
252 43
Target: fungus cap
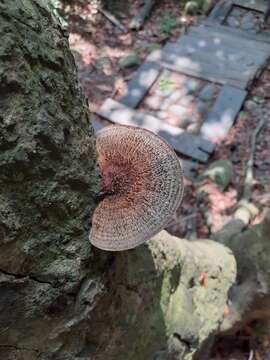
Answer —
142 184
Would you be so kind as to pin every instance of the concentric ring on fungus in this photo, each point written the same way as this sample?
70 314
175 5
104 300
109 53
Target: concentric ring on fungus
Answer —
142 184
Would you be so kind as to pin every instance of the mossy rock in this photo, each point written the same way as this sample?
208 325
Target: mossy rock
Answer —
220 172
130 60
195 7
192 7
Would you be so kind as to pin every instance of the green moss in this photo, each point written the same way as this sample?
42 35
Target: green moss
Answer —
220 172
178 317
165 291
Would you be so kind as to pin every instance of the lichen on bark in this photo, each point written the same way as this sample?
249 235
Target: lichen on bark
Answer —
48 169
157 307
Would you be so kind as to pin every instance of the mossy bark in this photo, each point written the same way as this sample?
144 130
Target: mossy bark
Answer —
166 300
48 184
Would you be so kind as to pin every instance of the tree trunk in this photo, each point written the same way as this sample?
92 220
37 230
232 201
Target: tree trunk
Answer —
60 299
49 182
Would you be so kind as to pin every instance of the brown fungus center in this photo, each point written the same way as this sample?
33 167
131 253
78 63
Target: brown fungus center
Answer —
142 186
115 178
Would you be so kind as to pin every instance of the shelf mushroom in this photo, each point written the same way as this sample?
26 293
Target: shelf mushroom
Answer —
142 186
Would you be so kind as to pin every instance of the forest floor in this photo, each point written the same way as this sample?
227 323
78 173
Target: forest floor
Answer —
98 46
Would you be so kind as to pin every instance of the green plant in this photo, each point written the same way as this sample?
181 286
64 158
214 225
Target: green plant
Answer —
165 84
167 24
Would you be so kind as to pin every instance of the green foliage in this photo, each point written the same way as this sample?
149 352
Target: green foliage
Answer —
165 84
167 24
130 60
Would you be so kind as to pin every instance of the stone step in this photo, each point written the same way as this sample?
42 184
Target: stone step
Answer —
223 114
187 144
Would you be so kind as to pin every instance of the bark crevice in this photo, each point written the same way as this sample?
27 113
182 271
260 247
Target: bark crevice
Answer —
25 276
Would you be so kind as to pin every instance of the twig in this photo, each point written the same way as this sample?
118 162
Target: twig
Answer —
246 210
113 20
249 171
251 354
138 20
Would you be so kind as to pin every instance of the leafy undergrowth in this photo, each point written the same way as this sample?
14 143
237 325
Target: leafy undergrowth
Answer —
98 46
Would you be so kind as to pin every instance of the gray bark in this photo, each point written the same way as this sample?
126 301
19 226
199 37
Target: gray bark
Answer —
48 185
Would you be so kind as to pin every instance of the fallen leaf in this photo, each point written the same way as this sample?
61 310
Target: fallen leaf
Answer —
202 278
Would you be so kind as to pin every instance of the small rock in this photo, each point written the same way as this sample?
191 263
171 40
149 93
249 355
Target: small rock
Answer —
129 61
207 92
220 172
191 8
258 99
254 211
251 106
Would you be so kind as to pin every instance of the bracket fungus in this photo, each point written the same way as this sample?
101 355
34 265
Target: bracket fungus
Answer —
142 186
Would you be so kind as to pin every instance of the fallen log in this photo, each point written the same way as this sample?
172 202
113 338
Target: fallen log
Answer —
138 20
113 20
